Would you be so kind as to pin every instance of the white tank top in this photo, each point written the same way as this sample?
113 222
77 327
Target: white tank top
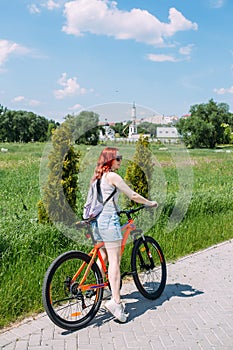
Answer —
107 189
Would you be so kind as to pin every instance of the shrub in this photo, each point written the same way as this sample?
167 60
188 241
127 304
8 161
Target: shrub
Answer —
139 171
59 199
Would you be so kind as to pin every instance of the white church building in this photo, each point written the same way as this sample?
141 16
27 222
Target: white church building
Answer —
133 130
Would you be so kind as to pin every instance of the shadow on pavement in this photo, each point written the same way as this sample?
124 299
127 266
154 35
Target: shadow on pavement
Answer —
140 304
137 305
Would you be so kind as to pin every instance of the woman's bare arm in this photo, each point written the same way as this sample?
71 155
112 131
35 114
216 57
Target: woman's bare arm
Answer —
116 180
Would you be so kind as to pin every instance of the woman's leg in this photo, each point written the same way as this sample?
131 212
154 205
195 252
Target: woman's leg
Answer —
114 257
105 258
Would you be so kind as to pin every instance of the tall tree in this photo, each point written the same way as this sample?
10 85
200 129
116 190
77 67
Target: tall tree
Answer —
85 127
205 126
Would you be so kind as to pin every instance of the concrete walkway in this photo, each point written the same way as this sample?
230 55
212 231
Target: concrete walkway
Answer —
194 312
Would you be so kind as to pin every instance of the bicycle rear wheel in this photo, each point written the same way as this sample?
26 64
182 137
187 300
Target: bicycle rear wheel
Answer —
149 267
65 303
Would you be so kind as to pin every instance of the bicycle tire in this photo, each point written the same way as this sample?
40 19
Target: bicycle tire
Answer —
148 267
65 304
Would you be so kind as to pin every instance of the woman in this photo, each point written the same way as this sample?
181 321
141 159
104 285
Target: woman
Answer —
107 226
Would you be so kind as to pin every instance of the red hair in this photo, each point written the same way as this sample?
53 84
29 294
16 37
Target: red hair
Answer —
104 163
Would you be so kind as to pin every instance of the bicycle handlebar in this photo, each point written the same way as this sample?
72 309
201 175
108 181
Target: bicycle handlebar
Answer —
133 210
86 223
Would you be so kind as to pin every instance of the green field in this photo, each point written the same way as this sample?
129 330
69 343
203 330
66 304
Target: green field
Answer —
200 179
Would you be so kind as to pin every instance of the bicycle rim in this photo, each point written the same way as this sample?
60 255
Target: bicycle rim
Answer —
66 305
149 267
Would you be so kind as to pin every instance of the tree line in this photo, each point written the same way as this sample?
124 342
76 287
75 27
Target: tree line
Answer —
23 126
207 126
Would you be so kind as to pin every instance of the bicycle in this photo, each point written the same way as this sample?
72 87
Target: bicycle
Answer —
74 274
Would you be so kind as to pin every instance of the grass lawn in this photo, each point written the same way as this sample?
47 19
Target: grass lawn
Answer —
194 190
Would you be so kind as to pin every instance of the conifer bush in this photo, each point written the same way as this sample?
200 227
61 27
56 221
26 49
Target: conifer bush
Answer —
139 172
59 193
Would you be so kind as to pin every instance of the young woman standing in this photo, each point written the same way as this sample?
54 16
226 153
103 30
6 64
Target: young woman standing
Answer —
107 226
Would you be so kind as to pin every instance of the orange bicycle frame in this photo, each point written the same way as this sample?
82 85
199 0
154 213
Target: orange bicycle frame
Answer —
126 229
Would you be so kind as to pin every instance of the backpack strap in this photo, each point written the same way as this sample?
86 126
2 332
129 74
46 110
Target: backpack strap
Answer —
99 192
100 196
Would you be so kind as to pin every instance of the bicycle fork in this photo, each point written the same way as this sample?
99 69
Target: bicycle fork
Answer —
150 266
148 254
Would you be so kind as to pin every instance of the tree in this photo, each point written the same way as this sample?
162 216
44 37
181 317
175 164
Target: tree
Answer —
204 127
2 110
6 126
84 127
51 127
139 171
228 133
23 126
147 128
59 199
121 129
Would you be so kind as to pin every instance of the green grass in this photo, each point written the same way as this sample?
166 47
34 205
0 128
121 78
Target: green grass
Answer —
27 248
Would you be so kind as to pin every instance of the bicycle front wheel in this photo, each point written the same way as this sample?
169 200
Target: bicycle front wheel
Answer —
67 305
149 267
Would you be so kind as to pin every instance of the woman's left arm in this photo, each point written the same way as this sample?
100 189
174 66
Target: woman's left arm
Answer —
117 181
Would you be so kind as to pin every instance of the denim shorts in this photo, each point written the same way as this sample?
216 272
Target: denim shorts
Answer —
107 227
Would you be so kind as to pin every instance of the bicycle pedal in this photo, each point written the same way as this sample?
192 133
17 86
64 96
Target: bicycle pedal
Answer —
90 293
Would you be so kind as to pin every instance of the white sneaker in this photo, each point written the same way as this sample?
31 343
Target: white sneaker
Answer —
116 310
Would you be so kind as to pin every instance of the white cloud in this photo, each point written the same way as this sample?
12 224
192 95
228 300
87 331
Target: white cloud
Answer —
8 48
223 91
161 58
186 50
18 99
70 87
216 3
51 4
25 101
102 17
177 23
75 107
33 8
48 4
33 103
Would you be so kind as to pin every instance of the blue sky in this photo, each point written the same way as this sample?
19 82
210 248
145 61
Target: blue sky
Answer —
59 57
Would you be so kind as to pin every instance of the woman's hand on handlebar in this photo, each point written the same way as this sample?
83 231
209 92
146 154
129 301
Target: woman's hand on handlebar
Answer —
152 204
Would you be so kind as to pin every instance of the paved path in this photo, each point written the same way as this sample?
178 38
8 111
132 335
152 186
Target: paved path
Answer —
194 312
